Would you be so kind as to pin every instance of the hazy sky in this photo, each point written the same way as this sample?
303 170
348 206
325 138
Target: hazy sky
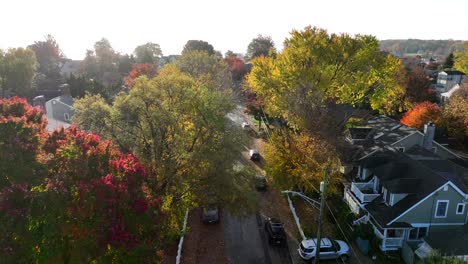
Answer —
227 25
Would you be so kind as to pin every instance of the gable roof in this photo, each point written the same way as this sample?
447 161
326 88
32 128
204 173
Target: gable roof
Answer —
385 132
417 173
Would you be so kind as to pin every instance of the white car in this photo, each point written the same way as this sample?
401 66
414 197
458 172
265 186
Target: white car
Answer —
329 249
245 125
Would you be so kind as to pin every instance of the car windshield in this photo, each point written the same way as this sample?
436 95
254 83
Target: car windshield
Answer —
306 250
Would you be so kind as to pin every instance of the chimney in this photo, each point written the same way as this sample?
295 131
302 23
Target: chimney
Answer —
40 101
429 132
65 89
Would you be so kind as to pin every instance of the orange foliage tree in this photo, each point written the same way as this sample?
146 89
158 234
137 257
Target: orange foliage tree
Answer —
421 114
143 69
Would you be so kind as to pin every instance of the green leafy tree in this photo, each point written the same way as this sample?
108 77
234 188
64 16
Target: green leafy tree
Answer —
260 46
19 70
125 63
448 63
214 73
437 258
102 64
49 58
198 45
148 53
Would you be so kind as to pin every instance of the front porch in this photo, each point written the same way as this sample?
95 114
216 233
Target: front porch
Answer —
391 238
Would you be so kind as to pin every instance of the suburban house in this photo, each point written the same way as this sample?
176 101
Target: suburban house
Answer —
70 67
381 131
408 196
446 80
59 110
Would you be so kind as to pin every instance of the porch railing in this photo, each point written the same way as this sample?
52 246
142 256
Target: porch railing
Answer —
357 188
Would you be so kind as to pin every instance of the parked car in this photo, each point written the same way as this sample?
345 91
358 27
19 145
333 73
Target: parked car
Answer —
260 182
245 125
329 249
275 231
210 215
254 155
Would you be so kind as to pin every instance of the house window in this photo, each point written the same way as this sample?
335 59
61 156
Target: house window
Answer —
387 196
441 209
460 208
66 116
418 233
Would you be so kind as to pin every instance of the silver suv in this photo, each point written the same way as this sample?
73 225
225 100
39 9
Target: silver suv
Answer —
329 249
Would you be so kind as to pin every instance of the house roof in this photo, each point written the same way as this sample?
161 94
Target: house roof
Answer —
453 72
449 241
71 66
417 173
384 132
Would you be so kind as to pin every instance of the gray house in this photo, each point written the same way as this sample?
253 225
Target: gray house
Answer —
382 131
59 110
407 196
446 80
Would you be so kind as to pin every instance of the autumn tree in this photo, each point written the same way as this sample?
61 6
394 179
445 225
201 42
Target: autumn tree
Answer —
418 87
461 59
198 45
71 197
455 115
421 114
298 160
18 71
148 53
147 69
236 67
307 83
316 68
176 125
260 46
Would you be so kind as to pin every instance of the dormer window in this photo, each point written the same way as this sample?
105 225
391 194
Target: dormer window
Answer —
387 196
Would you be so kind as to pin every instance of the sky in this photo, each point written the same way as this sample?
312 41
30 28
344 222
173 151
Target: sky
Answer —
227 25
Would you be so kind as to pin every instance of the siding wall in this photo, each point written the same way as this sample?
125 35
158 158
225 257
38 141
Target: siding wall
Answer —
425 212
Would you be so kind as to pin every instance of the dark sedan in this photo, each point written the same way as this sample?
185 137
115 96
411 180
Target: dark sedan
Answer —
275 231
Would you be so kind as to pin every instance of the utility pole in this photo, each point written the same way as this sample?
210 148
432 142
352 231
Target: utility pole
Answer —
323 190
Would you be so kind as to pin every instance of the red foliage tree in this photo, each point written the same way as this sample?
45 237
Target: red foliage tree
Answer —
21 129
236 67
421 114
144 69
70 195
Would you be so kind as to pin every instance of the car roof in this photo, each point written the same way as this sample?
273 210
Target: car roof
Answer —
253 151
311 243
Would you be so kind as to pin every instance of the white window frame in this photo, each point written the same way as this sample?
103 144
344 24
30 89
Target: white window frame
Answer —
417 234
437 208
463 208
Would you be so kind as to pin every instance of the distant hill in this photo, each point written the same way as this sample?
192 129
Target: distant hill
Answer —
409 47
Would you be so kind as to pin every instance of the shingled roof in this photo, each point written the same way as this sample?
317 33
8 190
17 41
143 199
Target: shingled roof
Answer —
417 172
